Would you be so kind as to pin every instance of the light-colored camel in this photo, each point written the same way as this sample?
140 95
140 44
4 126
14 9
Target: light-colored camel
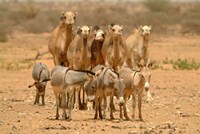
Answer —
114 48
138 46
61 37
96 45
79 55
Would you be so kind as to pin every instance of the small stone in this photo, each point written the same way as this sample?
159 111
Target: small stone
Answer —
117 127
116 121
1 122
142 127
197 115
133 132
102 129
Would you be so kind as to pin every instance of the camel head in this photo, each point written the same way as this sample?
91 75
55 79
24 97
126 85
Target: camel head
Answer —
84 31
68 17
116 29
145 30
99 35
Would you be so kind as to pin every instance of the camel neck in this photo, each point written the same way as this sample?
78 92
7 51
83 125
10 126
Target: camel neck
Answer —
68 36
84 48
145 41
99 46
116 43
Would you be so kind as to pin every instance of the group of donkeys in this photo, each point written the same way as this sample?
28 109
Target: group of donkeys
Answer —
99 63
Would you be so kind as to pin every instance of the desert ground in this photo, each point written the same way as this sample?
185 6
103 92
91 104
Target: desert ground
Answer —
176 93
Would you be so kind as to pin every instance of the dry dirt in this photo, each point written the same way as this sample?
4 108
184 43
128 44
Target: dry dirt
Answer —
176 93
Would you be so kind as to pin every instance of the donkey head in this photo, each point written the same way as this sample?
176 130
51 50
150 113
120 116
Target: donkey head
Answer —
119 87
146 76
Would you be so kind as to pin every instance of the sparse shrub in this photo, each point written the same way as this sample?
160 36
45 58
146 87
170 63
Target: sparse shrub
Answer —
185 64
158 5
3 33
155 65
167 61
182 64
191 20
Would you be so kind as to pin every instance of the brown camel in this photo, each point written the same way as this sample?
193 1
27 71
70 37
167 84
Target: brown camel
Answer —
114 48
79 56
96 45
61 37
138 46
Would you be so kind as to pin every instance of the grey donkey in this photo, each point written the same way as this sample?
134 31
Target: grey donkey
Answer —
41 75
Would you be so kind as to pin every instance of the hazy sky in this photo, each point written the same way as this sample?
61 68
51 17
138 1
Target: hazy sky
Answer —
100 0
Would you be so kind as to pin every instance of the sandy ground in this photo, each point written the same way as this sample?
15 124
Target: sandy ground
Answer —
175 108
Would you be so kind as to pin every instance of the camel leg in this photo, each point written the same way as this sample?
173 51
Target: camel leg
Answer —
56 61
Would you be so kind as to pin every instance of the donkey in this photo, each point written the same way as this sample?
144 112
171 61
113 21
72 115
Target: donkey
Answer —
135 83
41 75
63 82
107 83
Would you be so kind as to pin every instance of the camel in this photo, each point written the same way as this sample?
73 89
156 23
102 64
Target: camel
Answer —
96 45
138 47
61 37
78 53
79 56
114 48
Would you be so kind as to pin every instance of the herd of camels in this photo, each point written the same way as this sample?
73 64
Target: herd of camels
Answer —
92 46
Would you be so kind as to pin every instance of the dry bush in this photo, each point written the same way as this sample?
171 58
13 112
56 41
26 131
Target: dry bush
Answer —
161 14
191 20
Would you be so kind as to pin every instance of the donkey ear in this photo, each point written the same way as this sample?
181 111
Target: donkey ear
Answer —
99 72
112 78
90 76
149 65
140 66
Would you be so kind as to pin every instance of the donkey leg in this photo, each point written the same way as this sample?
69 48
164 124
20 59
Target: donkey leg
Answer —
104 107
140 106
70 106
43 103
133 105
76 106
100 114
96 108
36 98
120 114
111 108
57 105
